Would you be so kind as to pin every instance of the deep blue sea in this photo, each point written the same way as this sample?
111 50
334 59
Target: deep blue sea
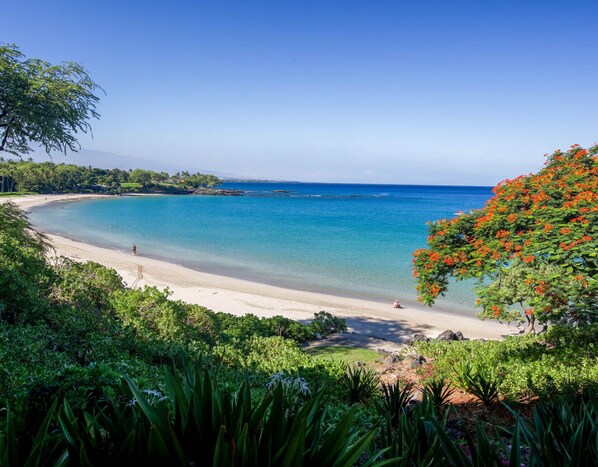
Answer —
344 239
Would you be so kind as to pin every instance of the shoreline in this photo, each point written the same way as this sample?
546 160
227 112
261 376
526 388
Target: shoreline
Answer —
376 324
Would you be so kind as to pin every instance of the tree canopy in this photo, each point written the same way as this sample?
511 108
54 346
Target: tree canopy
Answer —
43 103
47 177
533 247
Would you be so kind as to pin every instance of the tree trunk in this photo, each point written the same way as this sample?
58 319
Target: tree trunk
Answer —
530 323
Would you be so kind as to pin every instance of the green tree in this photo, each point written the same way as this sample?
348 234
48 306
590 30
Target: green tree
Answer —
24 275
535 244
145 177
198 180
43 103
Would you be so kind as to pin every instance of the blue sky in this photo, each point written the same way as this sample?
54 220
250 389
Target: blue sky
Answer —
347 91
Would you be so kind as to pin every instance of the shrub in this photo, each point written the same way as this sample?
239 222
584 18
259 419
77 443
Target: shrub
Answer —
325 324
483 384
437 391
461 375
561 432
561 363
359 384
285 327
194 422
395 398
87 286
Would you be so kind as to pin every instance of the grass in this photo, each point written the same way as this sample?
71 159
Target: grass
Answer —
344 353
16 193
131 185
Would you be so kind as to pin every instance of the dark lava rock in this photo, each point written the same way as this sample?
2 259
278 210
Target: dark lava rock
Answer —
392 358
217 192
419 361
447 336
417 338
459 336
421 337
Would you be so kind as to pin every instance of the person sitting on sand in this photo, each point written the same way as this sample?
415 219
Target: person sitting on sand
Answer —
396 304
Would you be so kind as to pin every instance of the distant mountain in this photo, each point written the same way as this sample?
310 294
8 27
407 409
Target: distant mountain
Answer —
109 160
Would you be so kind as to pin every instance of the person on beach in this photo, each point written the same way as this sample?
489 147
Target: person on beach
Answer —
134 249
396 304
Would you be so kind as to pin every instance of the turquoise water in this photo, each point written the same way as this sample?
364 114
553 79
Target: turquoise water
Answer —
350 240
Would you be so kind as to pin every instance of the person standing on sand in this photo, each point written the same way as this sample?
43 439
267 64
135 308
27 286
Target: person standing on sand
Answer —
134 249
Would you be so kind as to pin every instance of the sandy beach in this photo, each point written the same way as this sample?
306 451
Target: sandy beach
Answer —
375 325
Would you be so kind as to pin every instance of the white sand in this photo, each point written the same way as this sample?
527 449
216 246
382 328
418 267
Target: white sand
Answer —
365 318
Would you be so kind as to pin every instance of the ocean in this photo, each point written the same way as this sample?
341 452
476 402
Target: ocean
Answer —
342 239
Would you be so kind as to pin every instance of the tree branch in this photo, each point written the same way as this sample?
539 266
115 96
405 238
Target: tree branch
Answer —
5 137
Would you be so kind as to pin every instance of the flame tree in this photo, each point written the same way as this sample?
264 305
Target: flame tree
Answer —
533 248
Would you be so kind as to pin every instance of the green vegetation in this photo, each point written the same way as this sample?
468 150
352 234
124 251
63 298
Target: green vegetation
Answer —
535 243
358 384
43 103
95 373
83 362
563 362
128 185
344 354
437 391
47 177
16 193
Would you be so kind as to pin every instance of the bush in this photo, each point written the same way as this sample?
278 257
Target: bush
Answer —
483 384
359 384
24 281
150 314
395 399
561 363
325 324
87 286
193 422
437 391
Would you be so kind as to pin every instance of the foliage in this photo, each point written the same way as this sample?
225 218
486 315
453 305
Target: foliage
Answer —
164 429
47 177
560 433
559 363
14 194
461 375
535 242
343 353
359 384
241 328
87 286
43 103
195 421
195 180
14 224
483 384
23 282
295 390
412 440
171 327
325 324
437 391
24 278
480 381
285 327
62 361
395 399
